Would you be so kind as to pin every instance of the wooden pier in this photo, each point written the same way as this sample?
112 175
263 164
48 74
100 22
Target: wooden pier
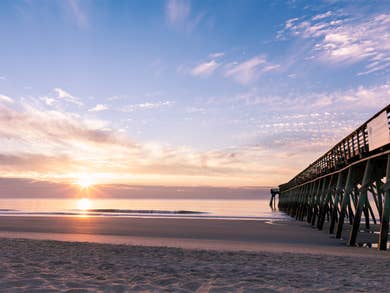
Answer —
350 181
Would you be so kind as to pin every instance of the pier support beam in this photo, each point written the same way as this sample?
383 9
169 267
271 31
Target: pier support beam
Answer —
325 203
345 202
362 202
338 193
384 230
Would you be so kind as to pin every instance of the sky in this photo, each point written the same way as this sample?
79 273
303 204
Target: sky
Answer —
185 93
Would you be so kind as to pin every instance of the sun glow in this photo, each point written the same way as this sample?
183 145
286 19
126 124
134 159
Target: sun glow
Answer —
83 204
85 181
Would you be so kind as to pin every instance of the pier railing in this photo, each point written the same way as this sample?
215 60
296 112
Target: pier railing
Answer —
352 178
352 148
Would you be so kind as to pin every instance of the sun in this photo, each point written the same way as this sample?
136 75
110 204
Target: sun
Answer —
83 204
84 181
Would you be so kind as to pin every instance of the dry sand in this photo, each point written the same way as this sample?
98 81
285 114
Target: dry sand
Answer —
182 255
48 266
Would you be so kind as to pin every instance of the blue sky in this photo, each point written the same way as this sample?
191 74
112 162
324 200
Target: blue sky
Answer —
227 93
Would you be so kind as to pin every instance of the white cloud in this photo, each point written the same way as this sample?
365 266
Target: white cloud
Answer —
147 106
177 10
3 78
48 101
338 37
270 67
98 108
243 72
114 98
290 22
6 99
216 55
249 70
65 96
322 16
39 143
312 122
205 68
355 99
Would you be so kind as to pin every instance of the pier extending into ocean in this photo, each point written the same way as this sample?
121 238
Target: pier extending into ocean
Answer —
349 182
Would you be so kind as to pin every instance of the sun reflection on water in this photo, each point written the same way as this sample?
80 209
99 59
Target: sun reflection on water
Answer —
83 204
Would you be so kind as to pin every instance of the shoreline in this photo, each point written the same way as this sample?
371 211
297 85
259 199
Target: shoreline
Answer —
212 234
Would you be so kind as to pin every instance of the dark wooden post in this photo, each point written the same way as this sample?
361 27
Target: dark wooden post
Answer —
336 202
310 202
379 197
303 203
347 191
317 199
361 203
386 210
325 201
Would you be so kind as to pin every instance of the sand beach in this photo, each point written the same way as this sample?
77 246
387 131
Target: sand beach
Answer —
52 266
181 255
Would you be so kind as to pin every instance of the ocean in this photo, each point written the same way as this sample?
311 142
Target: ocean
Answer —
191 208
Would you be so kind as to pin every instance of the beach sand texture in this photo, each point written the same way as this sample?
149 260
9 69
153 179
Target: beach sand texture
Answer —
49 266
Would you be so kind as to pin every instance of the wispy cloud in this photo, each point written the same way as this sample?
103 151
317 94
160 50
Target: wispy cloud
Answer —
216 55
42 143
59 95
48 144
360 98
249 70
243 72
205 68
312 122
322 15
75 6
177 10
98 108
340 37
180 15
147 106
6 99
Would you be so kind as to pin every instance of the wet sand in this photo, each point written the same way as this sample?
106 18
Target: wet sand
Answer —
287 236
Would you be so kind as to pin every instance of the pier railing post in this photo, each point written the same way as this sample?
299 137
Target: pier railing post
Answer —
384 229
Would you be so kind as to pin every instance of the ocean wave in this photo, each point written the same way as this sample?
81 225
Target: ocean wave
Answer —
121 211
101 212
